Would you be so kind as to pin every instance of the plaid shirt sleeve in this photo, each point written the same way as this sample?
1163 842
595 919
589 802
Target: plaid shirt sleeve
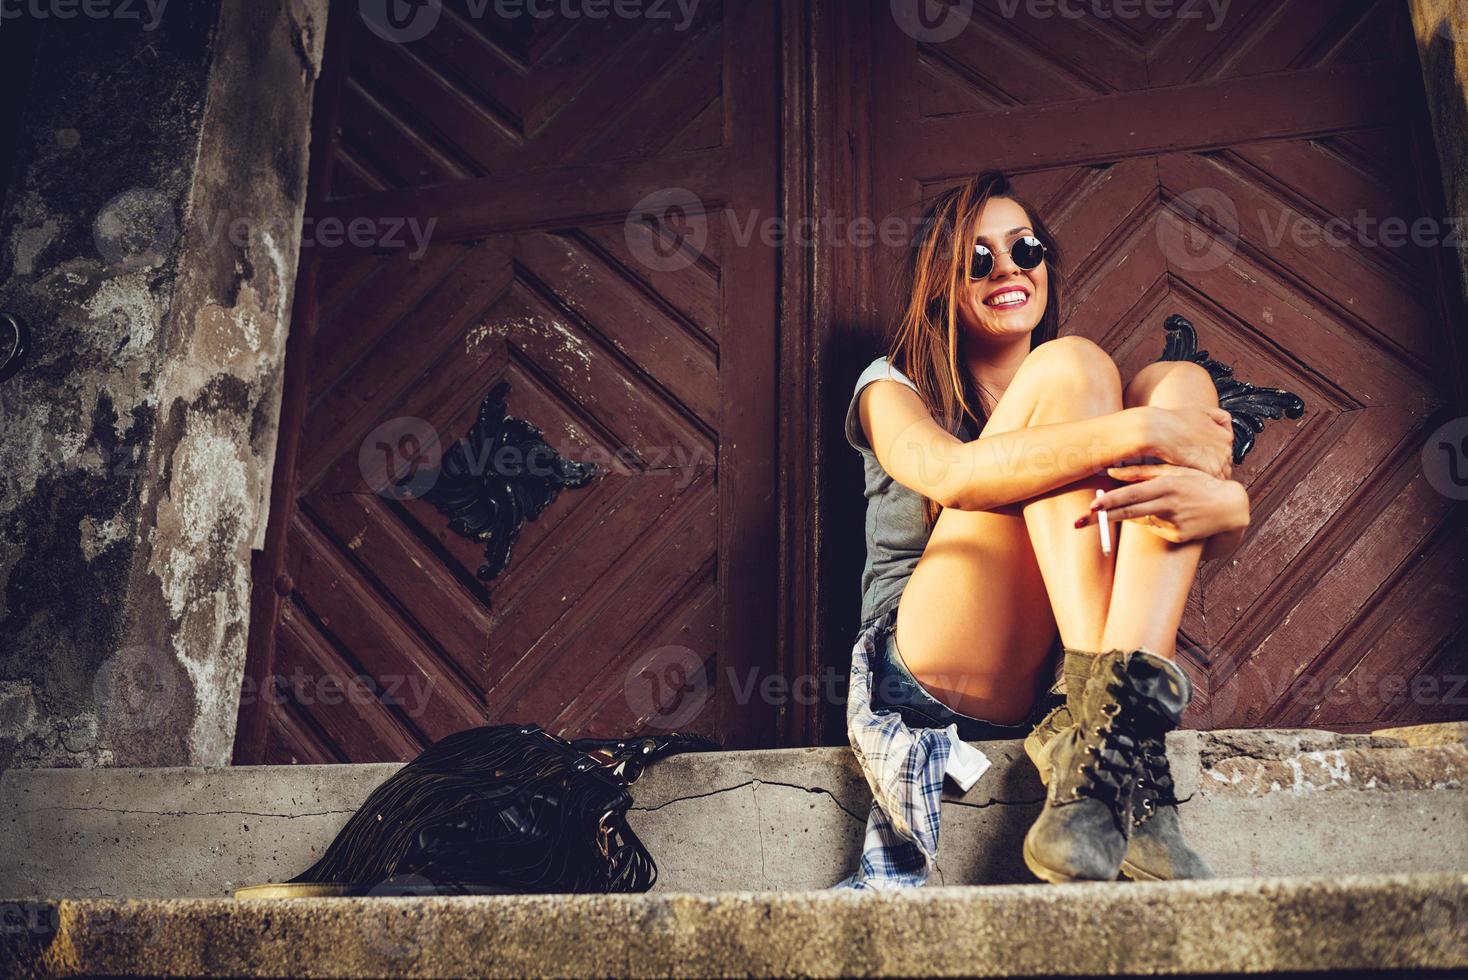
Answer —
904 767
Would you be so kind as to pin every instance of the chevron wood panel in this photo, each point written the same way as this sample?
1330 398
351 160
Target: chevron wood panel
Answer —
1184 165
527 140
463 102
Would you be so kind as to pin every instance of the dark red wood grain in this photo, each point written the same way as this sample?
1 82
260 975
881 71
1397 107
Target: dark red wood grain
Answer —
527 143
528 140
1353 569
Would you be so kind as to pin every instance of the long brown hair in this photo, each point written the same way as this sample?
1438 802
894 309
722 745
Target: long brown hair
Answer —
926 344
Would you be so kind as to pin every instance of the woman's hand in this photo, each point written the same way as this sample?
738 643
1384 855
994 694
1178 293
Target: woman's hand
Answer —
1177 503
1194 437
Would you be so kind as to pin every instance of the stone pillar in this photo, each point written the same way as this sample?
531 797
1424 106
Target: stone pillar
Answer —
1441 27
149 237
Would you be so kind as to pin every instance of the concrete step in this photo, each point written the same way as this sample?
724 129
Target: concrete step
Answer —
1259 804
1320 925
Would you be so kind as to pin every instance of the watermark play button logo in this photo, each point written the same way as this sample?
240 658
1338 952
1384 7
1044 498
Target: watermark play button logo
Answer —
1202 233
398 929
666 687
932 21
1445 459
667 230
141 687
400 21
136 229
400 459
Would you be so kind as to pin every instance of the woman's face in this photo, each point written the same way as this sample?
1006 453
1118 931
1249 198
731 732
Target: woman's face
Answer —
1001 223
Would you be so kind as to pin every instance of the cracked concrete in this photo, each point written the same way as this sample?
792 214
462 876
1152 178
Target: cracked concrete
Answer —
187 829
787 819
859 818
182 813
759 826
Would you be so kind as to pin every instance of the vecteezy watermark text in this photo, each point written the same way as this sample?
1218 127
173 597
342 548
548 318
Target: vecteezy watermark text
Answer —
405 21
1392 231
1214 10
1201 229
149 12
681 12
938 21
1258 690
669 686
402 458
668 229
410 692
383 232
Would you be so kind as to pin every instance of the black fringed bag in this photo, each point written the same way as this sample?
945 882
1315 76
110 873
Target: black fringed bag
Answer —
499 809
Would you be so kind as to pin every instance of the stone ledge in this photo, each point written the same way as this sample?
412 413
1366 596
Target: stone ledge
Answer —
1258 804
1437 733
1364 923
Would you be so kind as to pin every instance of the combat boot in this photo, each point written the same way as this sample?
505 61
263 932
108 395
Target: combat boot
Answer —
1092 767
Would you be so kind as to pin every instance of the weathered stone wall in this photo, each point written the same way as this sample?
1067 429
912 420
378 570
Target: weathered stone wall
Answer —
1441 27
150 238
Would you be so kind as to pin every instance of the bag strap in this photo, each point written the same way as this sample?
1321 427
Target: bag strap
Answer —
628 757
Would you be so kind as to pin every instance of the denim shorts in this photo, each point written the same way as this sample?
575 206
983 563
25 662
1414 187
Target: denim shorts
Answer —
883 631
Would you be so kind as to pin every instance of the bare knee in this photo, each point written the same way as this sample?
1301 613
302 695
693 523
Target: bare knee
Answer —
1076 369
1171 384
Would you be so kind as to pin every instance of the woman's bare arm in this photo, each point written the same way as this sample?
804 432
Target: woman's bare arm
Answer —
996 470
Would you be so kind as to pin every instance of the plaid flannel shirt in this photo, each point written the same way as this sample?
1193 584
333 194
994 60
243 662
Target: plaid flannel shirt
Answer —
904 767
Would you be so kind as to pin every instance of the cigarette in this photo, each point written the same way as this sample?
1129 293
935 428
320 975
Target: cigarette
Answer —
1104 526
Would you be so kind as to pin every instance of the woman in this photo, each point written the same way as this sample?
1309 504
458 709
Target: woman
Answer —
986 438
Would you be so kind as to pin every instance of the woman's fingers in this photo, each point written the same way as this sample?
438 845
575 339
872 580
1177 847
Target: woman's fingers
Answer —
1149 471
1134 511
1132 493
1140 471
1146 471
1133 500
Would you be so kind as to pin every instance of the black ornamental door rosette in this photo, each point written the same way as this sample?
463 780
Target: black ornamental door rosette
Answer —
1249 405
500 475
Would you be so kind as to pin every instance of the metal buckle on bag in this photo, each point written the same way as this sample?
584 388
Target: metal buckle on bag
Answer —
604 836
603 755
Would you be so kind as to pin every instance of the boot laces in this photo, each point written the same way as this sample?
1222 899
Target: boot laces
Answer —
1154 780
1111 746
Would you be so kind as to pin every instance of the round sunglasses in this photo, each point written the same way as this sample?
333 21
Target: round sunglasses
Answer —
1027 253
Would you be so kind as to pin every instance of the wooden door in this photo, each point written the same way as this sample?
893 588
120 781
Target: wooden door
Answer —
1204 167
562 165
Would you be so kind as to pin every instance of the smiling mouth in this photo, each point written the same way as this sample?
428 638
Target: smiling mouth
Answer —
1009 299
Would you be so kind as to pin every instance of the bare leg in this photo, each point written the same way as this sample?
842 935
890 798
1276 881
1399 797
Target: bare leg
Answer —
1154 575
978 618
1111 822
1077 575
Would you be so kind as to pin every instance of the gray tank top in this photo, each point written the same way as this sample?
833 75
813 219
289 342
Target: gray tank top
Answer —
896 529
